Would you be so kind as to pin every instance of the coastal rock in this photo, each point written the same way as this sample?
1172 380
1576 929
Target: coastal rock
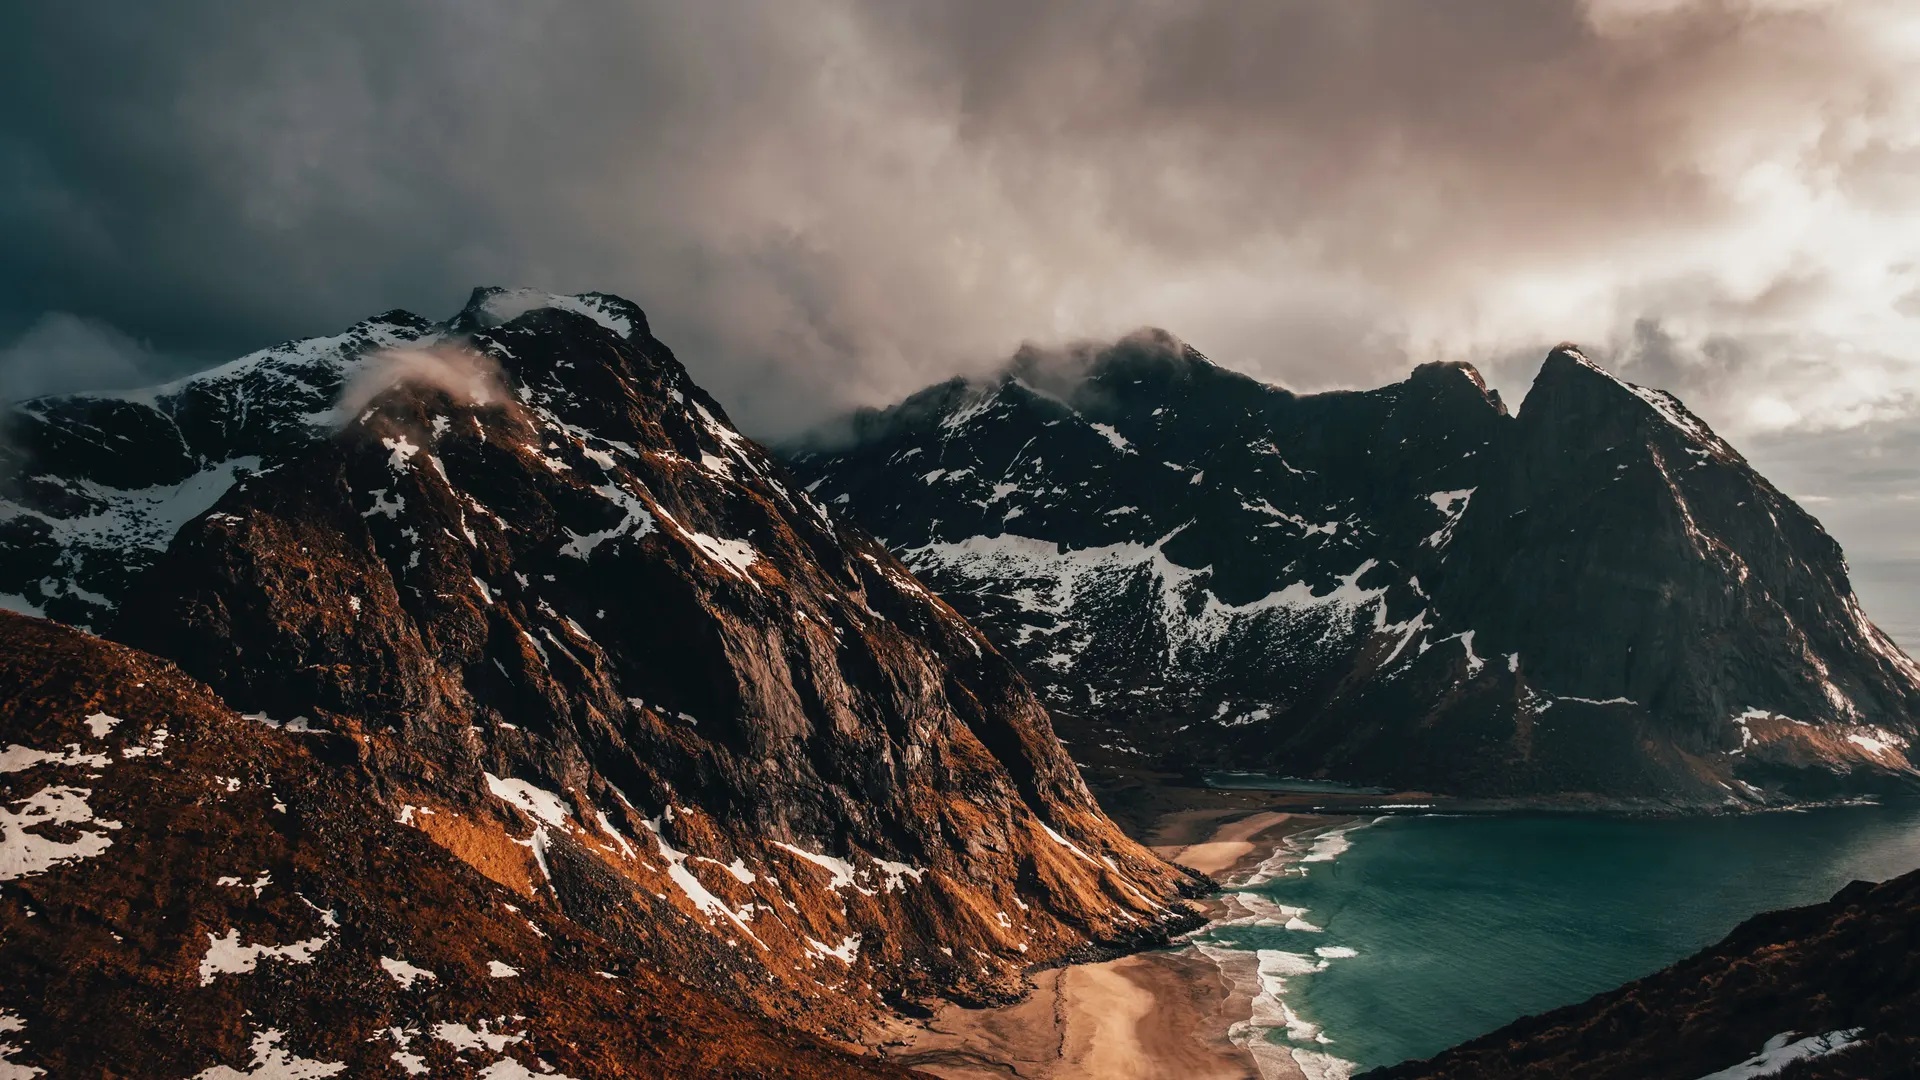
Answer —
1406 587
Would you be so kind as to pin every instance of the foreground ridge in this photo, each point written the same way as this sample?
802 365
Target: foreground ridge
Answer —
188 892
573 628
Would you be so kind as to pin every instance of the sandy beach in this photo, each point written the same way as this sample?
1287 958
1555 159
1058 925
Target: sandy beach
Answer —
1148 1016
1228 844
1142 1017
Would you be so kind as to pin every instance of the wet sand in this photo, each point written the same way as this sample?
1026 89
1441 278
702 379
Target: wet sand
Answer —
1148 1016
1229 844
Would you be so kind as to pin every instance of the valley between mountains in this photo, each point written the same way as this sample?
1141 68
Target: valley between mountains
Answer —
471 698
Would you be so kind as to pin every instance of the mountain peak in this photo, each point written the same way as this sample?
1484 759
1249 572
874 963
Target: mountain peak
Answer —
1442 369
1571 385
1569 371
494 305
1569 353
1456 377
1147 355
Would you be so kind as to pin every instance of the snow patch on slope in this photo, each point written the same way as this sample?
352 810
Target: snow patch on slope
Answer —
1452 506
270 1062
1783 1050
10 1022
404 973
1055 583
691 888
24 853
735 555
227 956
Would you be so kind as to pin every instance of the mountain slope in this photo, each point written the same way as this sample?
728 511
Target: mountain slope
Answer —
587 638
1826 991
1405 587
186 892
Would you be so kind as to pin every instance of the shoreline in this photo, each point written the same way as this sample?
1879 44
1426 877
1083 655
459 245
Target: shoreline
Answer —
1173 1011
1159 1013
1144 801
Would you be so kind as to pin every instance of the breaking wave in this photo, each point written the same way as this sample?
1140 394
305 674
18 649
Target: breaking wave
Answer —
1280 1041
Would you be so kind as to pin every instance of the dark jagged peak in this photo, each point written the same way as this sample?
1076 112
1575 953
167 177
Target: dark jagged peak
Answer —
1040 446
104 480
1099 389
1456 378
1394 586
1571 389
1440 370
1149 355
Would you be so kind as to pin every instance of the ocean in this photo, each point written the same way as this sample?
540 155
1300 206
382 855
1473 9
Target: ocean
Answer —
1398 937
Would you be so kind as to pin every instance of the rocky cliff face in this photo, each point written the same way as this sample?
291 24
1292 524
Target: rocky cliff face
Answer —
1406 587
570 626
1826 992
185 892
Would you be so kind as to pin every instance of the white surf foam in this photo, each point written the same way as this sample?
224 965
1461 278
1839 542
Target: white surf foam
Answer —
1318 1066
1262 975
1297 852
1258 909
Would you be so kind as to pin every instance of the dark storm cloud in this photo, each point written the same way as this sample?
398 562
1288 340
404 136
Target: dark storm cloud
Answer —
826 202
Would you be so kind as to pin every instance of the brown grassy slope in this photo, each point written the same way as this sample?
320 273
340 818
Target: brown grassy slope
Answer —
149 831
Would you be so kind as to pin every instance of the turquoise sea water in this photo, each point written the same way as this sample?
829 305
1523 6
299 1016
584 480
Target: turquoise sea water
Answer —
1458 925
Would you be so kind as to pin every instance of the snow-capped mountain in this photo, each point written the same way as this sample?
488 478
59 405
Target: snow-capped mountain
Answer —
520 578
94 486
1406 586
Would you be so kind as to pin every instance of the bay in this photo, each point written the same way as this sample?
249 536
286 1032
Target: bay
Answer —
1458 925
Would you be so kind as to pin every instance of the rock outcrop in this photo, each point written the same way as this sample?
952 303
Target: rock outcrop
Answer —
1404 587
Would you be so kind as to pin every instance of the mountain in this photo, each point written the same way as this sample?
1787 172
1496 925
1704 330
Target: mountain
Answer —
185 892
524 581
1826 992
1407 587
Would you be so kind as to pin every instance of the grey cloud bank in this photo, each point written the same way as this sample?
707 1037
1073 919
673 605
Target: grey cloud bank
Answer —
824 203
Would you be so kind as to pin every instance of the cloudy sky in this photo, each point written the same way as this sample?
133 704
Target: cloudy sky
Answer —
831 202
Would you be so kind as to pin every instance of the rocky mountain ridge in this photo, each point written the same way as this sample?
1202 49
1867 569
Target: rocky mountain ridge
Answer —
557 616
1405 587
